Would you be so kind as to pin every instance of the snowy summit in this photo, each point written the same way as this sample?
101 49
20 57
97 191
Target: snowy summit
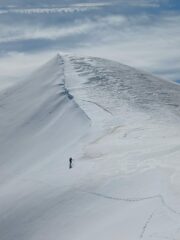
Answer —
121 128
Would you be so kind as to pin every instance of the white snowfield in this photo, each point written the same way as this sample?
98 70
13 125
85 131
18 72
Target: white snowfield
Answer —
121 127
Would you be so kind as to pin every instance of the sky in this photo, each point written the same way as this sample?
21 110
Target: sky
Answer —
141 33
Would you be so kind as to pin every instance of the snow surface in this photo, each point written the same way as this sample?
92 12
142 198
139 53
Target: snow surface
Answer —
122 128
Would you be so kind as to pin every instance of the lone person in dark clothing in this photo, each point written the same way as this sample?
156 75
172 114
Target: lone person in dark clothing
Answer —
70 162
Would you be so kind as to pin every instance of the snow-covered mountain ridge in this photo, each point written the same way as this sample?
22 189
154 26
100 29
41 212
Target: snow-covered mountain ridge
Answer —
122 128
132 87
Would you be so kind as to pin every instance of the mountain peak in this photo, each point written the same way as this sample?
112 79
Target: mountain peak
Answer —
121 128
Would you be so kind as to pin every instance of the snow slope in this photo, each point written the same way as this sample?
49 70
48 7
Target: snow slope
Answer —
122 128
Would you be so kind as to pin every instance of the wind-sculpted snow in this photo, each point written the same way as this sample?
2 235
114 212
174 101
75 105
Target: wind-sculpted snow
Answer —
125 85
120 126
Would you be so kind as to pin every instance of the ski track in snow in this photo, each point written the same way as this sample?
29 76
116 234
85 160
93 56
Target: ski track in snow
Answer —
160 197
146 225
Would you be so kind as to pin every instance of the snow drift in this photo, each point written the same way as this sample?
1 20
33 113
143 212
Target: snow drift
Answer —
122 128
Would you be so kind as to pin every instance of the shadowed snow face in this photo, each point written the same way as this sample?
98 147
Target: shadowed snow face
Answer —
141 33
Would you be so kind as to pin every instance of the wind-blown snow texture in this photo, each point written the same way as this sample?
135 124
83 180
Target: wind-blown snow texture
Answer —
122 128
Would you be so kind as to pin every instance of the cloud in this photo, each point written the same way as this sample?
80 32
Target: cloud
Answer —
150 44
46 10
144 3
25 32
31 33
64 7
51 9
142 39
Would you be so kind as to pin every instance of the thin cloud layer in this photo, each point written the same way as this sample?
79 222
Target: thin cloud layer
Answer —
144 34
